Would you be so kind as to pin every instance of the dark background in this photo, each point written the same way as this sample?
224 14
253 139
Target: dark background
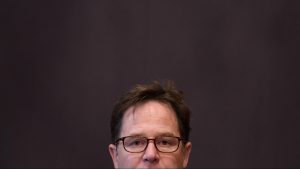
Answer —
63 65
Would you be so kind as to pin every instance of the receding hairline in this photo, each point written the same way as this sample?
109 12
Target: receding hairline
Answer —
127 113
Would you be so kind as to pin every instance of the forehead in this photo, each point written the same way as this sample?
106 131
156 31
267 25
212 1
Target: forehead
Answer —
151 118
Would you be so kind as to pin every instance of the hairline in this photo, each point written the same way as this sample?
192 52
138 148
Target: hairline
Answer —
142 102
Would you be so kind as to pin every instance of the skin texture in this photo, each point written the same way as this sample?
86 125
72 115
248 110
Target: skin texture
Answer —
150 119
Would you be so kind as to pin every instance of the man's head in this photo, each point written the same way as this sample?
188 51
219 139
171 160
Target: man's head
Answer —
150 128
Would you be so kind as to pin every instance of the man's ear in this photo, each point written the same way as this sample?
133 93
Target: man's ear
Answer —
187 151
114 154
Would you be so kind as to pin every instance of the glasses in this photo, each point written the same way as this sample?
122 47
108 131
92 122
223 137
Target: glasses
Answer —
137 144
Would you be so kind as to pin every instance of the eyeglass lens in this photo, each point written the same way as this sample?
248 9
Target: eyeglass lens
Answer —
139 144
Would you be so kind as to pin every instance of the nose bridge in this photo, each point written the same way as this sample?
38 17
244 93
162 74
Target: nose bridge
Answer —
151 141
151 153
151 146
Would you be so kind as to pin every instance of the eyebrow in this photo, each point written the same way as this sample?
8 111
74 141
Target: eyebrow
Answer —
159 134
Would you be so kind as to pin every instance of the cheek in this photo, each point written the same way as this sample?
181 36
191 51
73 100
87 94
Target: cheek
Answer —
172 160
126 160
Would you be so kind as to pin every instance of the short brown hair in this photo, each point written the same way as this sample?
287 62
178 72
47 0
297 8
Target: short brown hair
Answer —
165 92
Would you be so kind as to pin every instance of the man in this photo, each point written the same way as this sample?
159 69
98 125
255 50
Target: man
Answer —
150 128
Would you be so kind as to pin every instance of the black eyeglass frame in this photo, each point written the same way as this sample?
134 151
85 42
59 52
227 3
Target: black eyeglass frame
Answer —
123 138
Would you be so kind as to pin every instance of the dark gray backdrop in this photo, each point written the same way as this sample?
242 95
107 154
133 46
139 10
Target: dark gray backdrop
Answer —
64 64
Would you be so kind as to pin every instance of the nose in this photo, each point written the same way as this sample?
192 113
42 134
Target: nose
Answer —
151 153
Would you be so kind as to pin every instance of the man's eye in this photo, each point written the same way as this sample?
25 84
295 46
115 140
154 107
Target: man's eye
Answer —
136 143
164 142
